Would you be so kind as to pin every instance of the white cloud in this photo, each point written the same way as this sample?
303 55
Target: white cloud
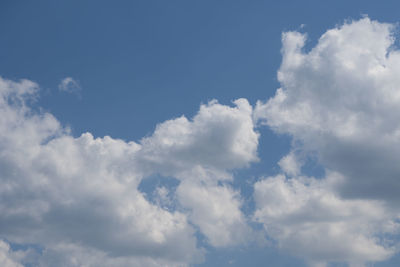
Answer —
75 255
342 100
339 101
308 220
290 164
200 153
216 211
69 85
218 138
80 197
9 258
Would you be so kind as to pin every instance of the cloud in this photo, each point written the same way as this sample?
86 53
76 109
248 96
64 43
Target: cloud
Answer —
218 138
342 99
77 201
69 85
290 164
216 211
339 101
200 154
9 258
307 219
79 196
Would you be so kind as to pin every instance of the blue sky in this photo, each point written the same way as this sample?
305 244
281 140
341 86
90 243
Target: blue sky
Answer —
154 52
227 177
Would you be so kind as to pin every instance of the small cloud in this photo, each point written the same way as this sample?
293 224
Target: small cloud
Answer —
69 85
290 164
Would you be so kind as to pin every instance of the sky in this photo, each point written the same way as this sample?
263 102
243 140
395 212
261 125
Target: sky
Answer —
199 133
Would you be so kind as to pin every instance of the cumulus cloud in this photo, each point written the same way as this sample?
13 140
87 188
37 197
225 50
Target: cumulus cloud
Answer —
200 154
56 188
9 258
77 200
216 211
222 138
339 101
80 196
342 100
307 219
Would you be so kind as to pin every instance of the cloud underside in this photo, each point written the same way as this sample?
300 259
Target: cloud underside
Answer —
75 201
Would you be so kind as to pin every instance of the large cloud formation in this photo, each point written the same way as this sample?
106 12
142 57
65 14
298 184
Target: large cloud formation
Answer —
77 199
340 102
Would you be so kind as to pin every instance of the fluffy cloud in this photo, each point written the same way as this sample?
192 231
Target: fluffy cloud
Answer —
290 164
307 219
76 201
80 197
216 211
56 188
342 100
199 153
219 138
9 258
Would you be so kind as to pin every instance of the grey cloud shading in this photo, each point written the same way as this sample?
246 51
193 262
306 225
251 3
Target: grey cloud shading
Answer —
310 221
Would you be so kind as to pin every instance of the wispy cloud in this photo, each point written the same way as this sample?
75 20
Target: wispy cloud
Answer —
69 85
